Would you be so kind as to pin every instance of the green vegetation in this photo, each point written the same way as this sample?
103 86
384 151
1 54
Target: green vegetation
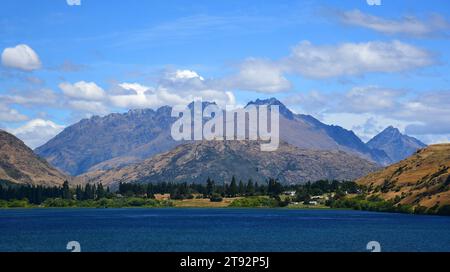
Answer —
255 202
369 204
374 203
271 194
101 203
107 203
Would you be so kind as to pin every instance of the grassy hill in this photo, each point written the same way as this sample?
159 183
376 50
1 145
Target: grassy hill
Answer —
420 180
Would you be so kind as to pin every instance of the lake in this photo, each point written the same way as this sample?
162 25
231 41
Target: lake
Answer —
201 230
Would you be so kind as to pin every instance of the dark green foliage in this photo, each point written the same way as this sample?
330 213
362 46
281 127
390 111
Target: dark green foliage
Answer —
216 198
250 189
274 188
66 194
255 202
33 194
444 210
233 191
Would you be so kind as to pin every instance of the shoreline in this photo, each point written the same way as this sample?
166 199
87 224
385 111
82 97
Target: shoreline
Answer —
212 208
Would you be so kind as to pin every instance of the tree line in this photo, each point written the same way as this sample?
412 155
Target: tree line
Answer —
38 194
208 190
178 191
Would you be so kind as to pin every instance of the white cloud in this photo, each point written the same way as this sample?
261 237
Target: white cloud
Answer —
21 57
409 25
83 90
138 88
369 99
184 74
178 87
425 115
146 97
73 2
11 115
33 97
328 61
350 59
89 107
259 75
36 132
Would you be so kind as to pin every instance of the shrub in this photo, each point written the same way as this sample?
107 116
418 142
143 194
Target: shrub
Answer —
216 198
254 202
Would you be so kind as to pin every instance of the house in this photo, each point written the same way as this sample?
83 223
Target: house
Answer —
289 193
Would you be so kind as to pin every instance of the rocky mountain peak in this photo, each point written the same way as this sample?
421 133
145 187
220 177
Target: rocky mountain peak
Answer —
273 101
395 144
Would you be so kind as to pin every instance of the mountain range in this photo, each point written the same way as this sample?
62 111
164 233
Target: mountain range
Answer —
220 160
116 140
19 164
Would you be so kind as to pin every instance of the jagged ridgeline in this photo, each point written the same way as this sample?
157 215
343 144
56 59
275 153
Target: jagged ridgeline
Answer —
195 162
117 140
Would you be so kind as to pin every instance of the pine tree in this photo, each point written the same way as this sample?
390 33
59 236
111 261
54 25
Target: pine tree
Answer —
233 187
250 190
66 194
100 191
79 192
209 187
241 188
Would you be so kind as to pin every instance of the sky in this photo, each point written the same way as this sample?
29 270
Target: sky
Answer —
349 63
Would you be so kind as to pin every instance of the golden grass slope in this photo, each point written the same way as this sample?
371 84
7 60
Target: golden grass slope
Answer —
422 179
18 164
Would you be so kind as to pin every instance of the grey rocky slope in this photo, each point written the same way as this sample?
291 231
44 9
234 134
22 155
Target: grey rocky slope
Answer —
395 144
120 139
220 160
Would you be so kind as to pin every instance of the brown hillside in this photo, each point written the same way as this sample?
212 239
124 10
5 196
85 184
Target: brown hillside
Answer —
18 164
422 179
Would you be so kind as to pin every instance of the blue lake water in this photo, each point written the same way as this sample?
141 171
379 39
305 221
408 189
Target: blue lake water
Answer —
219 230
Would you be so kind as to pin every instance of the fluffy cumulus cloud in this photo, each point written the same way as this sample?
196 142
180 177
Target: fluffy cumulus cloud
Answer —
36 132
350 59
83 90
261 76
172 90
21 57
328 61
178 87
184 74
409 25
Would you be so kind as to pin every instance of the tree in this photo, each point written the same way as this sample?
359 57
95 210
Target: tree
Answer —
241 188
79 192
250 190
209 187
66 194
274 188
302 196
89 192
233 187
100 191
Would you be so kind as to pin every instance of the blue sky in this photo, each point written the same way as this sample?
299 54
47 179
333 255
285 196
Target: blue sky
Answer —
345 62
